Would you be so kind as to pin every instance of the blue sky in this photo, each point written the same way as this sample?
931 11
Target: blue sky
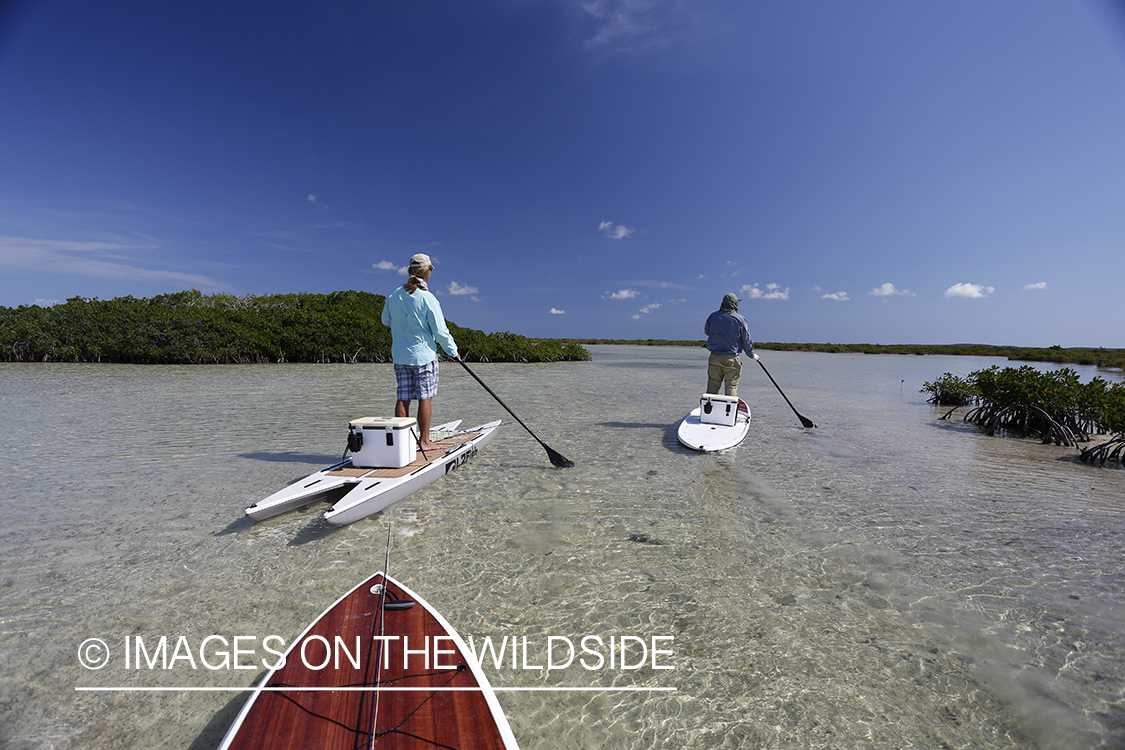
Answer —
883 172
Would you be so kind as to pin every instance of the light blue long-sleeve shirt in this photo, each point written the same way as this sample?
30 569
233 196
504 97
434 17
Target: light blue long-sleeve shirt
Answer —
417 327
728 333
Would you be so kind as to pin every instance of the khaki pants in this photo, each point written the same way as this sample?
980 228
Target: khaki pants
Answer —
724 367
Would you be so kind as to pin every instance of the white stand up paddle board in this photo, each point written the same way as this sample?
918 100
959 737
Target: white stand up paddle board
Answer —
718 423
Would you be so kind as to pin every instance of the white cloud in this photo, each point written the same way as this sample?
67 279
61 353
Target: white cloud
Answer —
463 290
386 265
457 289
889 290
618 232
632 27
556 311
649 308
655 284
1038 285
312 199
971 291
621 294
102 260
621 19
838 296
773 291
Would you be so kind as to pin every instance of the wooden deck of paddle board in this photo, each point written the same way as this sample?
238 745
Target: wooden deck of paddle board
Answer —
341 719
421 460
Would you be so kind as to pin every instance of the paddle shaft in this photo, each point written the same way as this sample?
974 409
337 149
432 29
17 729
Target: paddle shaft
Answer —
556 458
804 420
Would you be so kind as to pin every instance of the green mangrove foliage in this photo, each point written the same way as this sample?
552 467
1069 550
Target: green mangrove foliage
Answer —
475 346
1054 406
950 390
193 328
1024 401
1099 357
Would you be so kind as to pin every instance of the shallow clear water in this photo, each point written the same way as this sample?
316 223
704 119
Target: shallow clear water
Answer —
885 580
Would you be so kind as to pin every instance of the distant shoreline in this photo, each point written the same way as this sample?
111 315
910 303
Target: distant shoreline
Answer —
1100 357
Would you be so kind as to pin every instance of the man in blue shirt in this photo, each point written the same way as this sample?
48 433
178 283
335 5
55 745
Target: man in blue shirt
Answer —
417 326
728 335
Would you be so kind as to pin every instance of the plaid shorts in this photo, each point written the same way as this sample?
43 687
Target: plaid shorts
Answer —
417 382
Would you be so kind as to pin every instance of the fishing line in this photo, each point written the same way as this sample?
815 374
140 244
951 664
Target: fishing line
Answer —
382 617
312 713
396 729
454 672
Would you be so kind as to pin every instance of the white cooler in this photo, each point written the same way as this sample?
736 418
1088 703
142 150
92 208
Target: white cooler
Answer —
716 409
383 442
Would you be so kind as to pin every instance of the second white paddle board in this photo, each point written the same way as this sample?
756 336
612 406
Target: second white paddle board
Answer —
708 432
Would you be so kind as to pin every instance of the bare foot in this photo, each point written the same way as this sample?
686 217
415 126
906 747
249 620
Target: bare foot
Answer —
428 445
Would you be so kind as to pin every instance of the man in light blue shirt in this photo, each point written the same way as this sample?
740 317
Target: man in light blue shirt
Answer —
728 335
417 327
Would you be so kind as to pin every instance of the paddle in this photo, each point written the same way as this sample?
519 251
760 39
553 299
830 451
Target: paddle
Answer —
556 458
804 420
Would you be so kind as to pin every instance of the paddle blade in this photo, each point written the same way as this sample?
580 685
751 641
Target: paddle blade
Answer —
804 420
558 459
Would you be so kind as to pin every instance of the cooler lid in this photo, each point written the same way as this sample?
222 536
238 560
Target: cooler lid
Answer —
383 423
718 397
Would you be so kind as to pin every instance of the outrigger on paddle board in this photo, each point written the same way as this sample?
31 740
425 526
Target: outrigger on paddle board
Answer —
407 680
385 467
718 423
